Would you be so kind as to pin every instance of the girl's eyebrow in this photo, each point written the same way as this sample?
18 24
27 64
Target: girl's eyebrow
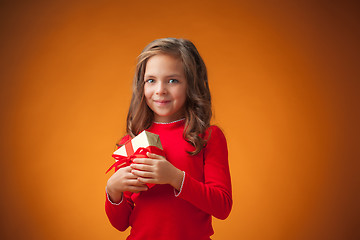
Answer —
149 76
174 75
169 76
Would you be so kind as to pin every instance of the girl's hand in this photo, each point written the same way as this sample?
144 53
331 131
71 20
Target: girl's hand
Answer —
156 170
123 180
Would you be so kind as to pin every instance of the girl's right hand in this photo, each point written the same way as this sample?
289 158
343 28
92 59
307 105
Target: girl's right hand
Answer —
123 180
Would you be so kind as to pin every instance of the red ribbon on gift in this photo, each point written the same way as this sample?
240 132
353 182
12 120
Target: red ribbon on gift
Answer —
123 161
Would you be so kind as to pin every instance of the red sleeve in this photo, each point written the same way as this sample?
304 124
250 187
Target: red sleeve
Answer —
214 195
118 214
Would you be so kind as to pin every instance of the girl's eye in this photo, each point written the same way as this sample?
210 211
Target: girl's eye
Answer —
150 81
173 81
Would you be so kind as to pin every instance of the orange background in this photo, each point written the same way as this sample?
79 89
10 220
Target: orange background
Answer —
284 77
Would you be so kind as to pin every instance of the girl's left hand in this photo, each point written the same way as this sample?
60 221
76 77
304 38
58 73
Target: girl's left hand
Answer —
156 170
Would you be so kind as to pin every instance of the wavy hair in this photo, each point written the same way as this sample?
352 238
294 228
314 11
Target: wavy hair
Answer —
198 100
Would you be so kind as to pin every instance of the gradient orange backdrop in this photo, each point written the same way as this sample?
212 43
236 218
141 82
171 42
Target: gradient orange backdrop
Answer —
284 77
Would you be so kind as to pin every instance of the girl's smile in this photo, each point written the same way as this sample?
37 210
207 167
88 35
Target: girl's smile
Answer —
161 102
165 87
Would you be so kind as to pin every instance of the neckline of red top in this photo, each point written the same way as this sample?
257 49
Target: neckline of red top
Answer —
175 123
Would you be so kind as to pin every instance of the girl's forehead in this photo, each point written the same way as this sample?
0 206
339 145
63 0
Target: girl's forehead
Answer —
164 63
166 55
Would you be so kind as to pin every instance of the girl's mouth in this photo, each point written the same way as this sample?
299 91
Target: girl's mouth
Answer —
161 102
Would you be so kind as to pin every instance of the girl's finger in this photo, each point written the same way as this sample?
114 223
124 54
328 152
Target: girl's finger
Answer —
146 180
154 156
147 161
142 167
135 182
130 176
142 173
137 188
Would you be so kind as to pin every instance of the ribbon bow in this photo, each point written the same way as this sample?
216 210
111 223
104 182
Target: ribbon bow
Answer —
123 161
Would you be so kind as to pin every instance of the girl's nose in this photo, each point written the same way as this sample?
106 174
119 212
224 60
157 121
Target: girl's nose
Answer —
160 88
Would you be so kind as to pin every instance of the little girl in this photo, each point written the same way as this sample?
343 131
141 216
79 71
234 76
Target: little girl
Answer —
171 98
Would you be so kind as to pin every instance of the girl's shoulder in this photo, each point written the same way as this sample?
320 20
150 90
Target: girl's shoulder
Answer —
215 133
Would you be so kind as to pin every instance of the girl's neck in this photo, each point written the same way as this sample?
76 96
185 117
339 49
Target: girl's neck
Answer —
169 119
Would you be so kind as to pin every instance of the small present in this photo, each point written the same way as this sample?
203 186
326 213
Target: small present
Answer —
137 147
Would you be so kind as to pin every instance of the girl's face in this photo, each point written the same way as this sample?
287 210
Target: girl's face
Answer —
165 87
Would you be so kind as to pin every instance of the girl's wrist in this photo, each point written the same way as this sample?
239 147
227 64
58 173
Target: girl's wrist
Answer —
177 180
114 197
114 194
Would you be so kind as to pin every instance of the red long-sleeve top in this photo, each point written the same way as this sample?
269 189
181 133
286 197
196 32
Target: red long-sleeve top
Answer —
163 213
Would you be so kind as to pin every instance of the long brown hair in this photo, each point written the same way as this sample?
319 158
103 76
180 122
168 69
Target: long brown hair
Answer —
198 101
